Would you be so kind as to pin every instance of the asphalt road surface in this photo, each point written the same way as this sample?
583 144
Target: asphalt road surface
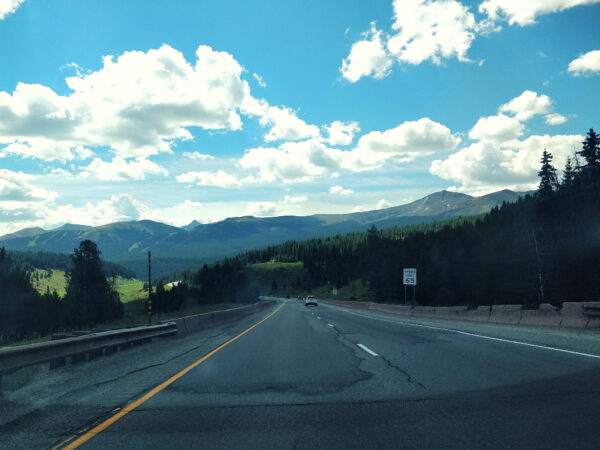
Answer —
331 377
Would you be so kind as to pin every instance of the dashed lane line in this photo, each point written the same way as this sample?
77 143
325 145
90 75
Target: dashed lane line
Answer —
367 349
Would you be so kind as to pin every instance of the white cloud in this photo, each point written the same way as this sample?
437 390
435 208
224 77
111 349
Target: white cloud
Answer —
524 12
286 125
293 161
259 80
586 64
294 200
496 128
138 103
367 57
488 166
197 155
219 179
406 142
121 169
555 119
303 161
341 133
8 7
15 187
526 105
382 204
263 209
339 190
431 30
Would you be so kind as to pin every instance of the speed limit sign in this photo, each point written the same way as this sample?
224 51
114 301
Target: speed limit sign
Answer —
410 277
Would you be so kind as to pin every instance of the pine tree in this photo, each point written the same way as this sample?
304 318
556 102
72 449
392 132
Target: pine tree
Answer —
591 149
547 174
568 175
89 297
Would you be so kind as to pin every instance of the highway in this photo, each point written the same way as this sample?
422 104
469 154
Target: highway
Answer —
331 377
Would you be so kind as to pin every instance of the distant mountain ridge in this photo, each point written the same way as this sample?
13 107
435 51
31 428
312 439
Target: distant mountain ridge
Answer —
129 242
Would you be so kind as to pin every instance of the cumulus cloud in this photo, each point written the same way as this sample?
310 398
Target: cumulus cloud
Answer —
16 187
121 169
219 179
423 30
341 133
406 142
496 128
487 166
527 105
8 7
438 30
339 190
368 57
305 160
263 209
197 155
586 64
294 200
286 125
555 119
431 30
139 104
382 204
525 12
292 161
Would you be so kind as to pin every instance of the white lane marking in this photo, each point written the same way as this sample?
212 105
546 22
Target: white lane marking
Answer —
466 333
330 325
367 349
318 317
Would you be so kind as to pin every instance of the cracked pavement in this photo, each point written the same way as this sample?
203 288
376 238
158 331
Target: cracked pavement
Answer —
300 380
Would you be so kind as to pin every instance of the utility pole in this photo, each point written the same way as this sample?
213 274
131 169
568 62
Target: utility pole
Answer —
149 289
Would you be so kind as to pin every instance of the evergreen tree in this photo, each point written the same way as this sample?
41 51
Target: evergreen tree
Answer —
568 175
90 298
591 149
547 174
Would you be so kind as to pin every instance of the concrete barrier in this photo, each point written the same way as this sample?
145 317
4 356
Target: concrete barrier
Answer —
481 314
506 314
592 310
404 310
572 315
423 311
546 315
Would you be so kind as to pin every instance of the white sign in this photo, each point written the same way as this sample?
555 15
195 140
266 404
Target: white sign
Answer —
410 277
334 291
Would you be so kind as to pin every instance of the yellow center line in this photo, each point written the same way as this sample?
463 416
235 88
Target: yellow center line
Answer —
133 405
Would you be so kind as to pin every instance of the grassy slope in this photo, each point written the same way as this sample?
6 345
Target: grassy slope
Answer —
129 289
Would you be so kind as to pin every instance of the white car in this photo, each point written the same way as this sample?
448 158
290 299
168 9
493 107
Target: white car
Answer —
311 300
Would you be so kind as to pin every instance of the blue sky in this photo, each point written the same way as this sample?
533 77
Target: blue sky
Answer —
184 110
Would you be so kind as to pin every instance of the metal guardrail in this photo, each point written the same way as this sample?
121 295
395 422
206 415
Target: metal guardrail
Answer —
591 309
13 358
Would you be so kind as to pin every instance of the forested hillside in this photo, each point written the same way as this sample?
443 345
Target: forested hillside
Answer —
543 248
60 261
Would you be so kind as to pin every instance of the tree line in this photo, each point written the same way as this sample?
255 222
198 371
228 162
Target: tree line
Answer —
89 300
60 261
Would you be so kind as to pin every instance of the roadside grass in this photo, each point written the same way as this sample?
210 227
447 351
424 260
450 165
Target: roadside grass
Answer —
129 289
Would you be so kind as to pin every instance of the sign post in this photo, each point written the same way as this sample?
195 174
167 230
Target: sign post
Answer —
410 279
149 289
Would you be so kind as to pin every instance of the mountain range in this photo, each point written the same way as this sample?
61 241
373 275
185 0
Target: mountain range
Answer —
175 248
